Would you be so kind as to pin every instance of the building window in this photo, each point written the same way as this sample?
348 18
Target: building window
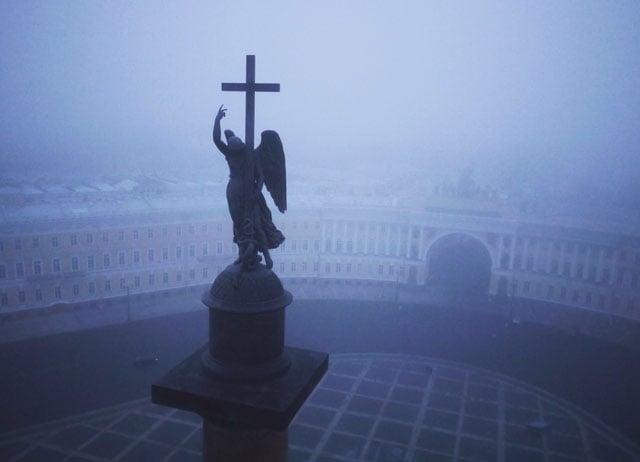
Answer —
316 266
165 278
4 299
205 272
192 250
92 288
529 264
76 289
294 245
527 287
380 270
21 297
179 276
219 248
89 238
136 257
54 242
293 267
205 249
74 263
152 279
36 243
18 243
106 260
122 284
121 235
339 245
203 228
105 238
121 258
3 271
136 282
136 234
563 293
305 245
316 245
219 227
327 267
150 233
39 295
615 303
178 230
349 246
107 285
304 266
58 292
601 300
56 265
179 252
164 231
348 267
192 274
91 262
151 255
281 267
517 262
338 267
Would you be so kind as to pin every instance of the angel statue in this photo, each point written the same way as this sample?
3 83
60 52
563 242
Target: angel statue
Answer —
253 228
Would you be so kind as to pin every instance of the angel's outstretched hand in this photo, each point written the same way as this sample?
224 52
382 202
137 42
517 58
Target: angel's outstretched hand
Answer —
221 112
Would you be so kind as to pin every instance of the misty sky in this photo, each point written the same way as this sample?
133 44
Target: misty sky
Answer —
507 87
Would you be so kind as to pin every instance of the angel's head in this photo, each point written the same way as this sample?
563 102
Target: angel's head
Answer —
233 141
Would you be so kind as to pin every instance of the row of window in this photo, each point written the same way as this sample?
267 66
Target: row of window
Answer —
107 286
581 272
339 268
575 296
136 258
88 238
570 250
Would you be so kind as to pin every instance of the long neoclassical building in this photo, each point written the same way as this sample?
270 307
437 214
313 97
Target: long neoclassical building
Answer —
66 245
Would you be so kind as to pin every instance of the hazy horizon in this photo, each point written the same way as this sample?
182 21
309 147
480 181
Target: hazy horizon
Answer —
543 92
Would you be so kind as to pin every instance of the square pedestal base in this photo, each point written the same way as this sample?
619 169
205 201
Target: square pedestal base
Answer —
270 404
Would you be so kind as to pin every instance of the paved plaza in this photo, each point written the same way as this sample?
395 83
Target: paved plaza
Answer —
369 407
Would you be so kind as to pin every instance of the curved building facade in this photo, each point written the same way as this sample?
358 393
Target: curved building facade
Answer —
70 253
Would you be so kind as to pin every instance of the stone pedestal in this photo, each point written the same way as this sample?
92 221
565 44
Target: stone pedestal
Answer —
245 383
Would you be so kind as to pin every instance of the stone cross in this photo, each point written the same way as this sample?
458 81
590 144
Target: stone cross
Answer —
250 87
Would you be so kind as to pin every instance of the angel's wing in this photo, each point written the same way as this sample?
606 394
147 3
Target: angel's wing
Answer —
270 154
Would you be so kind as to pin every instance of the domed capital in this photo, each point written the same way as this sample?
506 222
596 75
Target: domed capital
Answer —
247 291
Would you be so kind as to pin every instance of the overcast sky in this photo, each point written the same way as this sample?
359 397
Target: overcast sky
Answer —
530 87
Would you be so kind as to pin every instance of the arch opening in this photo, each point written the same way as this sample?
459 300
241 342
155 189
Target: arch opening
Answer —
459 266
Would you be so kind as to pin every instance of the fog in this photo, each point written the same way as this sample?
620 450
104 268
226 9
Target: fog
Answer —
542 93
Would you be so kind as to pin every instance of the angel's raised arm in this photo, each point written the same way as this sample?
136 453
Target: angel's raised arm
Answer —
217 135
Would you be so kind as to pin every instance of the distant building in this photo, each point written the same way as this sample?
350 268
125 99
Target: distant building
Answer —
73 244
